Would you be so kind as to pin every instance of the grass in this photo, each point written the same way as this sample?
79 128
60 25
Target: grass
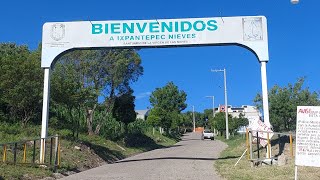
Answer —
244 171
94 150
22 171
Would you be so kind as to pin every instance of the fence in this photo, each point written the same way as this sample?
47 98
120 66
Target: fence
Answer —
256 138
28 152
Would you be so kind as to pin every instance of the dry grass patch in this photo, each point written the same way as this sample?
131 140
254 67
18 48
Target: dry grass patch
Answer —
244 171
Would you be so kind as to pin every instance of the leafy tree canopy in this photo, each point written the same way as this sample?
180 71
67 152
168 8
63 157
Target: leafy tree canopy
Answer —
283 102
82 76
167 102
169 98
21 81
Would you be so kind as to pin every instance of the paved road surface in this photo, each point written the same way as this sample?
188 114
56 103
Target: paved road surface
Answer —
189 159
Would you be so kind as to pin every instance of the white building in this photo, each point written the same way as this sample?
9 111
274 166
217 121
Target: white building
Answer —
142 114
252 113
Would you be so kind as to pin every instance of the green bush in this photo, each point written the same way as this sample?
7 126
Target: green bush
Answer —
111 128
138 126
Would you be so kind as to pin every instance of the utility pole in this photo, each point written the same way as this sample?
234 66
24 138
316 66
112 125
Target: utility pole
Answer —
225 98
194 120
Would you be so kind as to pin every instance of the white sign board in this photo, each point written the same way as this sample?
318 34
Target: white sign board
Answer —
263 136
248 31
308 136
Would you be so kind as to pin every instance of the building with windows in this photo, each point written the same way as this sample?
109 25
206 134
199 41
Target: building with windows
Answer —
252 113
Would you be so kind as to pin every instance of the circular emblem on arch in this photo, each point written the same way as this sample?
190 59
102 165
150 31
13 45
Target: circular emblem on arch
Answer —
58 31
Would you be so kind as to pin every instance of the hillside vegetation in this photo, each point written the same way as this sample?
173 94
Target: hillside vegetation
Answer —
78 154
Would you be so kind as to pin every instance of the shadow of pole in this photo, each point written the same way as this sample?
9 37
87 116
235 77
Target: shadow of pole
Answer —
177 158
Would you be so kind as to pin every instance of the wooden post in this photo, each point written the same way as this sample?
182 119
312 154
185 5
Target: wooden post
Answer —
59 155
15 153
24 153
43 150
56 153
291 148
247 142
4 153
269 146
51 141
250 143
279 142
258 145
34 151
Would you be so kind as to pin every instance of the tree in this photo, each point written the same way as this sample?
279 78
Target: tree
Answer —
169 98
219 121
21 82
155 116
283 102
123 109
236 122
176 120
167 102
187 121
104 74
208 114
67 94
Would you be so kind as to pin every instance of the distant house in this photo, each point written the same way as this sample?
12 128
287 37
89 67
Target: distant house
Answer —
142 114
252 113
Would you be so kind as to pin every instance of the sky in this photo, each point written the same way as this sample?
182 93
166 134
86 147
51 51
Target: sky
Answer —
293 33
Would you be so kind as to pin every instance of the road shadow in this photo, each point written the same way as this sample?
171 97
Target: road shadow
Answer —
191 139
106 154
139 140
175 136
177 158
172 146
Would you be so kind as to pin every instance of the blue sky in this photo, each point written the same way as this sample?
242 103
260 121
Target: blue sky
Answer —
293 32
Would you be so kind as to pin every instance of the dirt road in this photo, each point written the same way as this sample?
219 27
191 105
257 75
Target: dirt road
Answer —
189 159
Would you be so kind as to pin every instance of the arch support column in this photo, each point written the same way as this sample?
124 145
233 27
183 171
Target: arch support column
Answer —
45 112
265 100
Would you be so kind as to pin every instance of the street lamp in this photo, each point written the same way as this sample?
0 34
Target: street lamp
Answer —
225 97
194 120
213 113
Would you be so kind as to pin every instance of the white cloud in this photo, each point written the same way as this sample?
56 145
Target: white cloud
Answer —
143 95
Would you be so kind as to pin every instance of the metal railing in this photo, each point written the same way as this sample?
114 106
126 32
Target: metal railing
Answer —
26 151
254 135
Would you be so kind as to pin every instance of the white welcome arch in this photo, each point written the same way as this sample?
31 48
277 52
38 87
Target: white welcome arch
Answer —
59 37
